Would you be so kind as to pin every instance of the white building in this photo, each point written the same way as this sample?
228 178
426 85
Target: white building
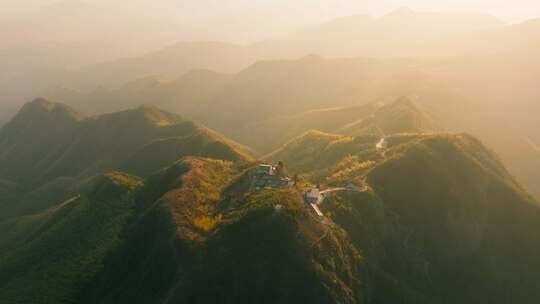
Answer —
312 195
382 144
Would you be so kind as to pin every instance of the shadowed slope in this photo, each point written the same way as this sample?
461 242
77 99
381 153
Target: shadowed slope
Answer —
34 153
47 257
440 215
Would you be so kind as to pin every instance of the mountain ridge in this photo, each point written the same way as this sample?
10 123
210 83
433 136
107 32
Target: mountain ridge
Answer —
130 140
201 218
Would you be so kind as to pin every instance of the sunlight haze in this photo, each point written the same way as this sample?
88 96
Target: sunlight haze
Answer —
269 151
510 11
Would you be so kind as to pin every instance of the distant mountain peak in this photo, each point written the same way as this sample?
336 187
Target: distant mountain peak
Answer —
36 118
144 115
41 103
41 106
158 116
147 108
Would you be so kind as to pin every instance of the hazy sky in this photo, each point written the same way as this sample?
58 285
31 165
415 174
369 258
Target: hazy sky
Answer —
515 10
158 23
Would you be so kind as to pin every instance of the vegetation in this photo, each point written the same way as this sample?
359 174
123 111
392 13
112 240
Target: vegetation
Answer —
49 257
47 148
206 236
438 220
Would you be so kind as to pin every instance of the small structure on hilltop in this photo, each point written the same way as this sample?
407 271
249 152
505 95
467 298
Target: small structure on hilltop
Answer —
382 144
271 177
313 198
266 170
281 182
313 195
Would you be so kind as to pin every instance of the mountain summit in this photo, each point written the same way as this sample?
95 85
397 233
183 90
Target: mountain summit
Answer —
34 121
47 140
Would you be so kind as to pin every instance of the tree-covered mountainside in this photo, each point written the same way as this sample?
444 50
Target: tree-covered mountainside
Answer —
441 221
363 160
432 218
191 233
47 147
36 115
46 140
400 116
62 248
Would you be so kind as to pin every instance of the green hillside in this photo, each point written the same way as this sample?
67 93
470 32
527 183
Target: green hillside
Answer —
206 235
457 207
34 150
25 137
399 116
180 237
9 192
267 135
440 215
47 257
437 219
47 149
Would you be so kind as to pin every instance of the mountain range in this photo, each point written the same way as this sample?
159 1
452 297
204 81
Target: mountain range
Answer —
364 160
437 214
48 146
270 96
394 35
